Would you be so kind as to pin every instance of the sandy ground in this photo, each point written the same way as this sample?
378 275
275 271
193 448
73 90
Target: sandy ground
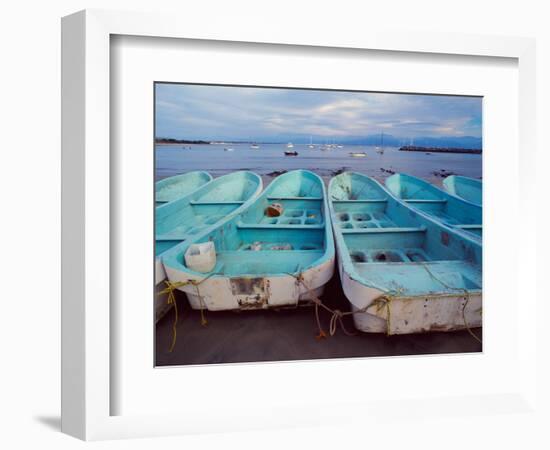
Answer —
288 334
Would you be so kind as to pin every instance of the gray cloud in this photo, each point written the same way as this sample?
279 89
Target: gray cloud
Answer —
220 112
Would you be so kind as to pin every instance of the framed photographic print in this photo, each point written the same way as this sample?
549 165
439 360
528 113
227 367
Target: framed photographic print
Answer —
271 254
254 217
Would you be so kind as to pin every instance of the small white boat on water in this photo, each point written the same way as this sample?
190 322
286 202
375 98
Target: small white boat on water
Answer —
228 149
290 145
357 154
255 146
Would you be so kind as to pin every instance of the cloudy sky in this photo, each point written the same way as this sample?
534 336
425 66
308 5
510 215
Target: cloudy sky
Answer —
263 114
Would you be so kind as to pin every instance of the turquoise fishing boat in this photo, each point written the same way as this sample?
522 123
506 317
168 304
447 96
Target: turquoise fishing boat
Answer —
466 188
278 251
438 204
182 219
172 188
402 271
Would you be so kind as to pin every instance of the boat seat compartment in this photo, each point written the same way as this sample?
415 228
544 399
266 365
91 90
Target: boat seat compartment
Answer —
241 263
295 216
363 219
264 238
392 255
384 239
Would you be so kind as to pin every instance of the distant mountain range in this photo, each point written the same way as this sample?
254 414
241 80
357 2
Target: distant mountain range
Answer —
469 142
443 141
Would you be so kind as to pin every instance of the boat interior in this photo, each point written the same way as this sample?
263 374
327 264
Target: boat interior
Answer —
178 186
437 203
179 220
255 243
464 187
392 248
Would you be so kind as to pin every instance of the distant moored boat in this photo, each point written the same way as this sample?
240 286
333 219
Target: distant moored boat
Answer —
293 153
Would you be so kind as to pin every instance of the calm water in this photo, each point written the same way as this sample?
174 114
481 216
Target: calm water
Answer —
175 159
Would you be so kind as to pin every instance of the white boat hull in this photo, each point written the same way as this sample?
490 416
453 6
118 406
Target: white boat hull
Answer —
410 314
160 274
220 293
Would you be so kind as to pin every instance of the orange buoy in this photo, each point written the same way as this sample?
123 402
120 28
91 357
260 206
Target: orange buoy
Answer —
274 210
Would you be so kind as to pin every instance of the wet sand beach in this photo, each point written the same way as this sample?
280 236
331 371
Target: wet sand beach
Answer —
288 335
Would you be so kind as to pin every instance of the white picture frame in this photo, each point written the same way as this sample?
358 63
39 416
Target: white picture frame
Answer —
87 384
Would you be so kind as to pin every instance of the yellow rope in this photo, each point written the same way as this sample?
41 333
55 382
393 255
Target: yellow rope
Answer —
380 302
171 300
336 315
384 300
202 305
466 298
464 319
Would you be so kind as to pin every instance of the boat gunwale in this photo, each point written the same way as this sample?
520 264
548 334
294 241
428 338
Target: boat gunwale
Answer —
458 228
451 185
161 184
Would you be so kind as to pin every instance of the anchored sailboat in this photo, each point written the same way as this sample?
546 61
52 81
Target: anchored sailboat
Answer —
380 149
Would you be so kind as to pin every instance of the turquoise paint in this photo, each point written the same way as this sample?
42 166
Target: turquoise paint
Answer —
253 244
384 244
203 209
466 188
438 204
172 188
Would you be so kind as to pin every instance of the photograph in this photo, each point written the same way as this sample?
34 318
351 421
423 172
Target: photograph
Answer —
296 223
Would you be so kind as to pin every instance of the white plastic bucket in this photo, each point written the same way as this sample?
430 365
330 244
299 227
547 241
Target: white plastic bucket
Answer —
201 257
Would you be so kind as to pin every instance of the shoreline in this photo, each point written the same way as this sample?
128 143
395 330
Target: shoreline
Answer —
411 148
436 178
